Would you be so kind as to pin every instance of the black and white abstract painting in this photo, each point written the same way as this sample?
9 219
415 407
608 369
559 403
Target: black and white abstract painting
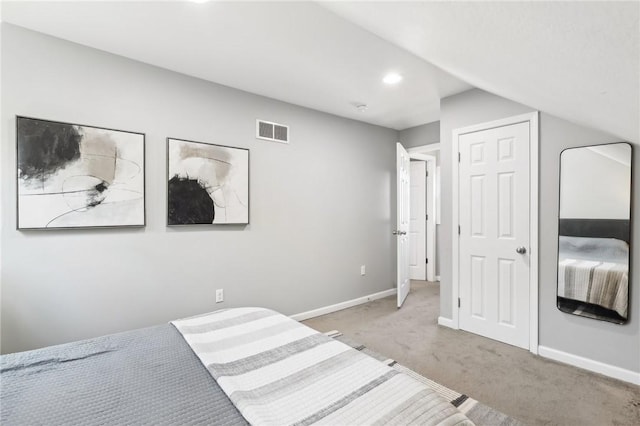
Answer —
207 184
76 176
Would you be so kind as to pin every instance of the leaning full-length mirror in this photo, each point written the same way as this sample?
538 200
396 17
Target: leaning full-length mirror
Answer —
594 231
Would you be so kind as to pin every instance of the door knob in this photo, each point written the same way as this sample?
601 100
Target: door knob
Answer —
521 250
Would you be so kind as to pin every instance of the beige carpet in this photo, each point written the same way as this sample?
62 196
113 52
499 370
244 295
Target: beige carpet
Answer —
527 387
478 413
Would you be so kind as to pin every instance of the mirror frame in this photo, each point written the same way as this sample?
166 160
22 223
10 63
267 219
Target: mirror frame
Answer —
628 232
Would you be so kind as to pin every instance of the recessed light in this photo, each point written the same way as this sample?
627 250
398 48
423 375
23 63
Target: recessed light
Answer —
362 107
392 78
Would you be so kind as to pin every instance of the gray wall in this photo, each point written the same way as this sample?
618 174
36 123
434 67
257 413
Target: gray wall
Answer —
425 134
320 207
617 345
613 344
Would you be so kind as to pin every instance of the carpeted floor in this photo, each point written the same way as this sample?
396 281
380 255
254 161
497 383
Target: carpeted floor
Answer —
478 413
529 388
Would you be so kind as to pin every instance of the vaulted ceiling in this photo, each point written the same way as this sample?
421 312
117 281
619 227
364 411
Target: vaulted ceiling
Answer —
577 60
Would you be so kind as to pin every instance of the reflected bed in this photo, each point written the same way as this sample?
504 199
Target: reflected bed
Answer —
593 271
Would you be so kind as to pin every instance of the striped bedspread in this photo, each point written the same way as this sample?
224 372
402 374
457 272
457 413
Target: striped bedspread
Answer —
601 283
279 372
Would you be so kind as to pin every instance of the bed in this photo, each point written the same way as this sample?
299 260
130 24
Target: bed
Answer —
233 367
593 268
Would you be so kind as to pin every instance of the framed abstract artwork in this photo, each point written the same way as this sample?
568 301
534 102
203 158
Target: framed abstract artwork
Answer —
207 183
78 176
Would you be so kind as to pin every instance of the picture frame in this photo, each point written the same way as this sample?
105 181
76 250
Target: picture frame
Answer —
78 176
207 184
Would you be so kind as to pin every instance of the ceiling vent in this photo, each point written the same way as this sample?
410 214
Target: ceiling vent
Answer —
270 131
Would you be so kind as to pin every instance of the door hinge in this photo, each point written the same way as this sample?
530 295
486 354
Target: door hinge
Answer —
427 217
458 229
426 260
458 302
458 157
427 173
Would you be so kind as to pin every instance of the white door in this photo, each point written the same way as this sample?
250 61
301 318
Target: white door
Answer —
417 221
402 227
494 233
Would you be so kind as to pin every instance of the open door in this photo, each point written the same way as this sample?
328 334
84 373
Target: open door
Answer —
402 228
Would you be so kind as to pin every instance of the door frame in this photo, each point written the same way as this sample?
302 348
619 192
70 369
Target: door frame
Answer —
430 230
532 119
424 153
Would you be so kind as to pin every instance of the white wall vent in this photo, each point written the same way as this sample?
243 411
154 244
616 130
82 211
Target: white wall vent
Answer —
270 131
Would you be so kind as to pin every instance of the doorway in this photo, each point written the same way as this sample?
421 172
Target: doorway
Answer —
424 212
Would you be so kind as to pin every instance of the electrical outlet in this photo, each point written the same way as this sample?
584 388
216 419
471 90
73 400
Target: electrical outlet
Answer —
219 295
362 270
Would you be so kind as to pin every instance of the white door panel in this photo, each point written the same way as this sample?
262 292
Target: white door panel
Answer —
402 226
417 222
494 222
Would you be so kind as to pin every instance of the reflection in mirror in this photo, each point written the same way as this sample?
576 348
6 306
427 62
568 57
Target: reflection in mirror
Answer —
594 231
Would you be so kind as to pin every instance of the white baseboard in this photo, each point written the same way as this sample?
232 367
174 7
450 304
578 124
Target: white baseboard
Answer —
591 365
343 305
438 278
446 322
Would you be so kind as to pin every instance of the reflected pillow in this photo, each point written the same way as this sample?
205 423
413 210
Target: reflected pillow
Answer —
588 248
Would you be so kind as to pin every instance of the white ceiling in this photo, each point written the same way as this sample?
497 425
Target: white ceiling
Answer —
577 60
298 52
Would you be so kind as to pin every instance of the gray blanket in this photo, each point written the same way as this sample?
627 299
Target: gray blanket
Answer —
148 376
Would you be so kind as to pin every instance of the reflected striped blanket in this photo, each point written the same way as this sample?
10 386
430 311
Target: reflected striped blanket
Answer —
601 283
279 372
